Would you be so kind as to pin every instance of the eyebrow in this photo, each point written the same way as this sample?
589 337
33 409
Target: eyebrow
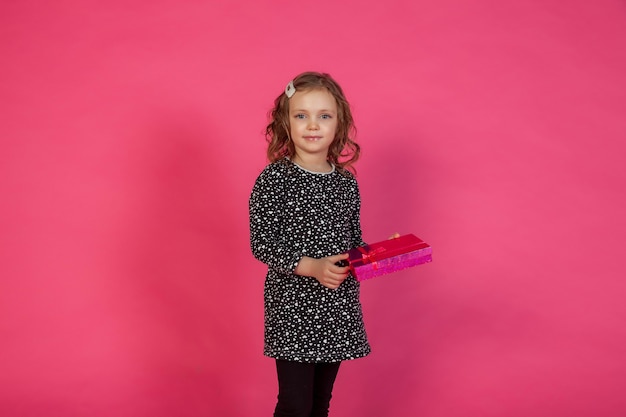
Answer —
319 111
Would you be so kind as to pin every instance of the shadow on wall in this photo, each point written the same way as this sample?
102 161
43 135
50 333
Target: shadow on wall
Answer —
391 375
176 310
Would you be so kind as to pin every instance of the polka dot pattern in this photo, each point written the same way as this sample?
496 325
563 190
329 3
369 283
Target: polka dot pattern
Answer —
295 213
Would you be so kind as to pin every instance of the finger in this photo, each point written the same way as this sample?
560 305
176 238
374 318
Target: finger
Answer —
335 278
336 269
340 277
330 284
338 257
333 284
327 284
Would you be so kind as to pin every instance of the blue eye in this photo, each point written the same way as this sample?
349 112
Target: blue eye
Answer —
326 116
300 116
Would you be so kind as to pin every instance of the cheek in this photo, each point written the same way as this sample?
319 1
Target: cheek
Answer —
333 129
295 124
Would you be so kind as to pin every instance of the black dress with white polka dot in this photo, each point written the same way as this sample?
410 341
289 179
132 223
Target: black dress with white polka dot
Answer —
294 213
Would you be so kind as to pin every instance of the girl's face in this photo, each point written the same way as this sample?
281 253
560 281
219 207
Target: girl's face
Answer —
313 123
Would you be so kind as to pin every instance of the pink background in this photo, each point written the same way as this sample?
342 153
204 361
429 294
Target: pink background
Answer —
132 135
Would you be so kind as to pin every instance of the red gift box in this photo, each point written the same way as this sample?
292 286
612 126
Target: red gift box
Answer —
388 256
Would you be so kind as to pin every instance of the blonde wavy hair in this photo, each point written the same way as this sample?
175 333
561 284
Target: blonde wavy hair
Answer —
343 152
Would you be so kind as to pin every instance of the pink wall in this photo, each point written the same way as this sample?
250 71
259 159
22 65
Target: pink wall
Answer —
131 136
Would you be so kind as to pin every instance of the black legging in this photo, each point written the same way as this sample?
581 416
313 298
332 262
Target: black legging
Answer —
304 389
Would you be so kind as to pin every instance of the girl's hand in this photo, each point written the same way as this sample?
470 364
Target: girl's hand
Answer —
395 235
324 270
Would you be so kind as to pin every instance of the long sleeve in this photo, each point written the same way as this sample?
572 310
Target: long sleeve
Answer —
266 208
355 221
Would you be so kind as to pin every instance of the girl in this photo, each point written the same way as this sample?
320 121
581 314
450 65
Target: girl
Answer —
304 217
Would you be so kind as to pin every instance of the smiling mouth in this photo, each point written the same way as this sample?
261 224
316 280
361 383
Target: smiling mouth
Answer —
312 138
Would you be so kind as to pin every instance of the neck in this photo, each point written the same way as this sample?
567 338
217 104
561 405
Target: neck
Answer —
313 163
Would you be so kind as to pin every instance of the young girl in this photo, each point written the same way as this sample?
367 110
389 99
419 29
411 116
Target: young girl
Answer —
304 217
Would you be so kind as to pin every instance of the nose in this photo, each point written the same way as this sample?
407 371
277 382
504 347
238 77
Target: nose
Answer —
313 125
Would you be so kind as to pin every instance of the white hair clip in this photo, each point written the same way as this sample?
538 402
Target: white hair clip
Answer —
290 90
